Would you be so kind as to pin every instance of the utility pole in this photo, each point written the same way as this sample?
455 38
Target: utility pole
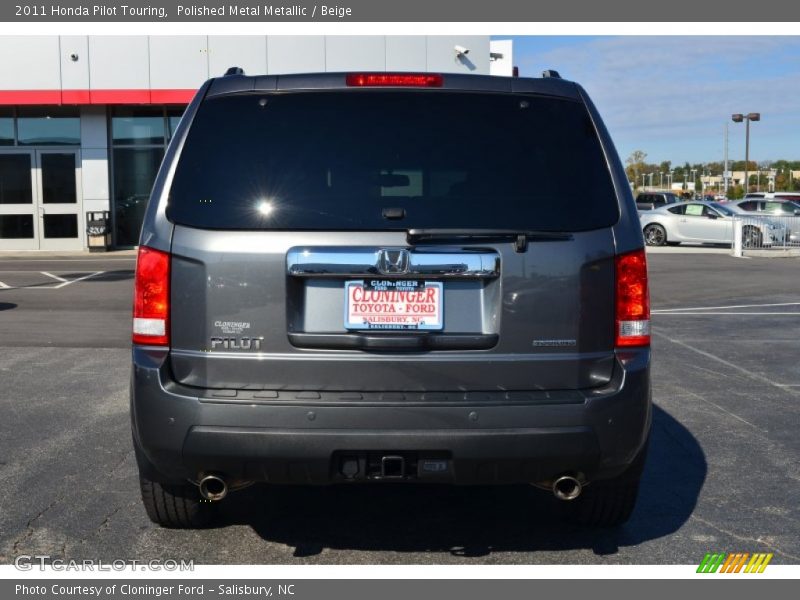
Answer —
738 118
726 159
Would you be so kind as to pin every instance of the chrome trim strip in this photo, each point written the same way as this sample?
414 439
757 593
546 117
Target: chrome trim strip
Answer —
360 262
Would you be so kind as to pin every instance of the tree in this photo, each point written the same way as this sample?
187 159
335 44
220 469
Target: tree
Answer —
635 166
735 192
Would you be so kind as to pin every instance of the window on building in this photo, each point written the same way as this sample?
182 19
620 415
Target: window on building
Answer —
138 126
48 126
7 135
139 136
40 126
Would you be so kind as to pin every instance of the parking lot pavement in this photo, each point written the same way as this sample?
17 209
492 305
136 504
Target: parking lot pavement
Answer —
722 474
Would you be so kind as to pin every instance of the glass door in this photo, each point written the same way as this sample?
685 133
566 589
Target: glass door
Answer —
19 223
59 202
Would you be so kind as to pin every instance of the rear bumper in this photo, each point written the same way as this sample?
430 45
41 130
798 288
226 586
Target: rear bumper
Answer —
521 439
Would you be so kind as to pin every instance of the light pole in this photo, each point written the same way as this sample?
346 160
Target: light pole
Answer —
661 179
643 182
738 118
694 182
650 175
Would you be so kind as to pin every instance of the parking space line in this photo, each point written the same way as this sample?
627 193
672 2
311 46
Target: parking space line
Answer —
676 314
741 370
53 276
721 408
674 310
63 282
85 277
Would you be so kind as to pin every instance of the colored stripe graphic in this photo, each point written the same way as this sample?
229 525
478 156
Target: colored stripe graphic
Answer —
701 567
711 563
741 562
765 563
715 566
727 566
734 562
758 563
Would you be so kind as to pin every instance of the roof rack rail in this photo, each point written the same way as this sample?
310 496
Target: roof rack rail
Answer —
234 71
550 73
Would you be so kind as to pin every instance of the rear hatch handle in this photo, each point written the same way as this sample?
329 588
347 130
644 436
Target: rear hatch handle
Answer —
520 238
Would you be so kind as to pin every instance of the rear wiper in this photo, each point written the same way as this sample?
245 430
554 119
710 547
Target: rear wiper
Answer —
520 238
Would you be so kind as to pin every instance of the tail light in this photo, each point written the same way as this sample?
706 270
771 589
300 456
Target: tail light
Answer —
633 300
394 80
151 298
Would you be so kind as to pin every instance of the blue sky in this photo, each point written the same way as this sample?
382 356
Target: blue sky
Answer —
671 95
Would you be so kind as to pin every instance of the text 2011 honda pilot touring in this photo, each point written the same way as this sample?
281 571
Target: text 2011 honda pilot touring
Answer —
390 277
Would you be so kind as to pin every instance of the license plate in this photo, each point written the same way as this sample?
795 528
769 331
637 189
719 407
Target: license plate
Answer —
388 304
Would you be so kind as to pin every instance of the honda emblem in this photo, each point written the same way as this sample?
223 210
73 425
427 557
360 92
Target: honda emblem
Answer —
393 261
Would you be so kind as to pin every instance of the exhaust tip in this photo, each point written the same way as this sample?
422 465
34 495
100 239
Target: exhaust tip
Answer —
567 488
213 488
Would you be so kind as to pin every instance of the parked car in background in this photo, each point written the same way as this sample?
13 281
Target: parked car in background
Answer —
705 223
779 195
780 210
764 206
651 200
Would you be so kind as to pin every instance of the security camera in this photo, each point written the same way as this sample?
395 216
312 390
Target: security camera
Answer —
73 57
461 51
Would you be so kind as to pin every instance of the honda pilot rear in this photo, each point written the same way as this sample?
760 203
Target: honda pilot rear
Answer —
378 277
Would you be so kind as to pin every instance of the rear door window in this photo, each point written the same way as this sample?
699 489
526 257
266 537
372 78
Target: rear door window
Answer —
335 160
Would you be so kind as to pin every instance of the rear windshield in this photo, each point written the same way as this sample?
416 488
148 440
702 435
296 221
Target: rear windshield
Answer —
375 160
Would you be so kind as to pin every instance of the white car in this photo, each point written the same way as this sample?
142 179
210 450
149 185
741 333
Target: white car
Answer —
707 223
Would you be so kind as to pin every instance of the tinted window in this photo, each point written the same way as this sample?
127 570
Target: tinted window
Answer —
15 179
779 207
335 160
6 126
722 209
676 210
134 126
751 205
51 126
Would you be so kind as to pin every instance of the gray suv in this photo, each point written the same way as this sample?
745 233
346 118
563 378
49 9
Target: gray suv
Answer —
353 278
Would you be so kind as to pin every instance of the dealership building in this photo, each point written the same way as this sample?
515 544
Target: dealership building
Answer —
85 120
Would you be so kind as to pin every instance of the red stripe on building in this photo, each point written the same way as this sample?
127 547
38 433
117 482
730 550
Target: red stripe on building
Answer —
171 96
56 97
75 97
30 97
119 96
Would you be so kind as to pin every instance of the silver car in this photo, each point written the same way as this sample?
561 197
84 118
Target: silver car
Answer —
707 223
778 209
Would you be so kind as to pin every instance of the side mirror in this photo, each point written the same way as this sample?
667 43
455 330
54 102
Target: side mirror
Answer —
712 216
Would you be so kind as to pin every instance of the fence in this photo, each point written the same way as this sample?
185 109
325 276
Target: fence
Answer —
766 232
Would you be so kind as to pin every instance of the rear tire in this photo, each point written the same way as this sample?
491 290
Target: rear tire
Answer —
177 506
173 505
752 237
655 235
609 502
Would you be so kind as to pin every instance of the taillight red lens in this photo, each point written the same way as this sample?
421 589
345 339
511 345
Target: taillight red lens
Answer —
394 80
633 300
151 298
